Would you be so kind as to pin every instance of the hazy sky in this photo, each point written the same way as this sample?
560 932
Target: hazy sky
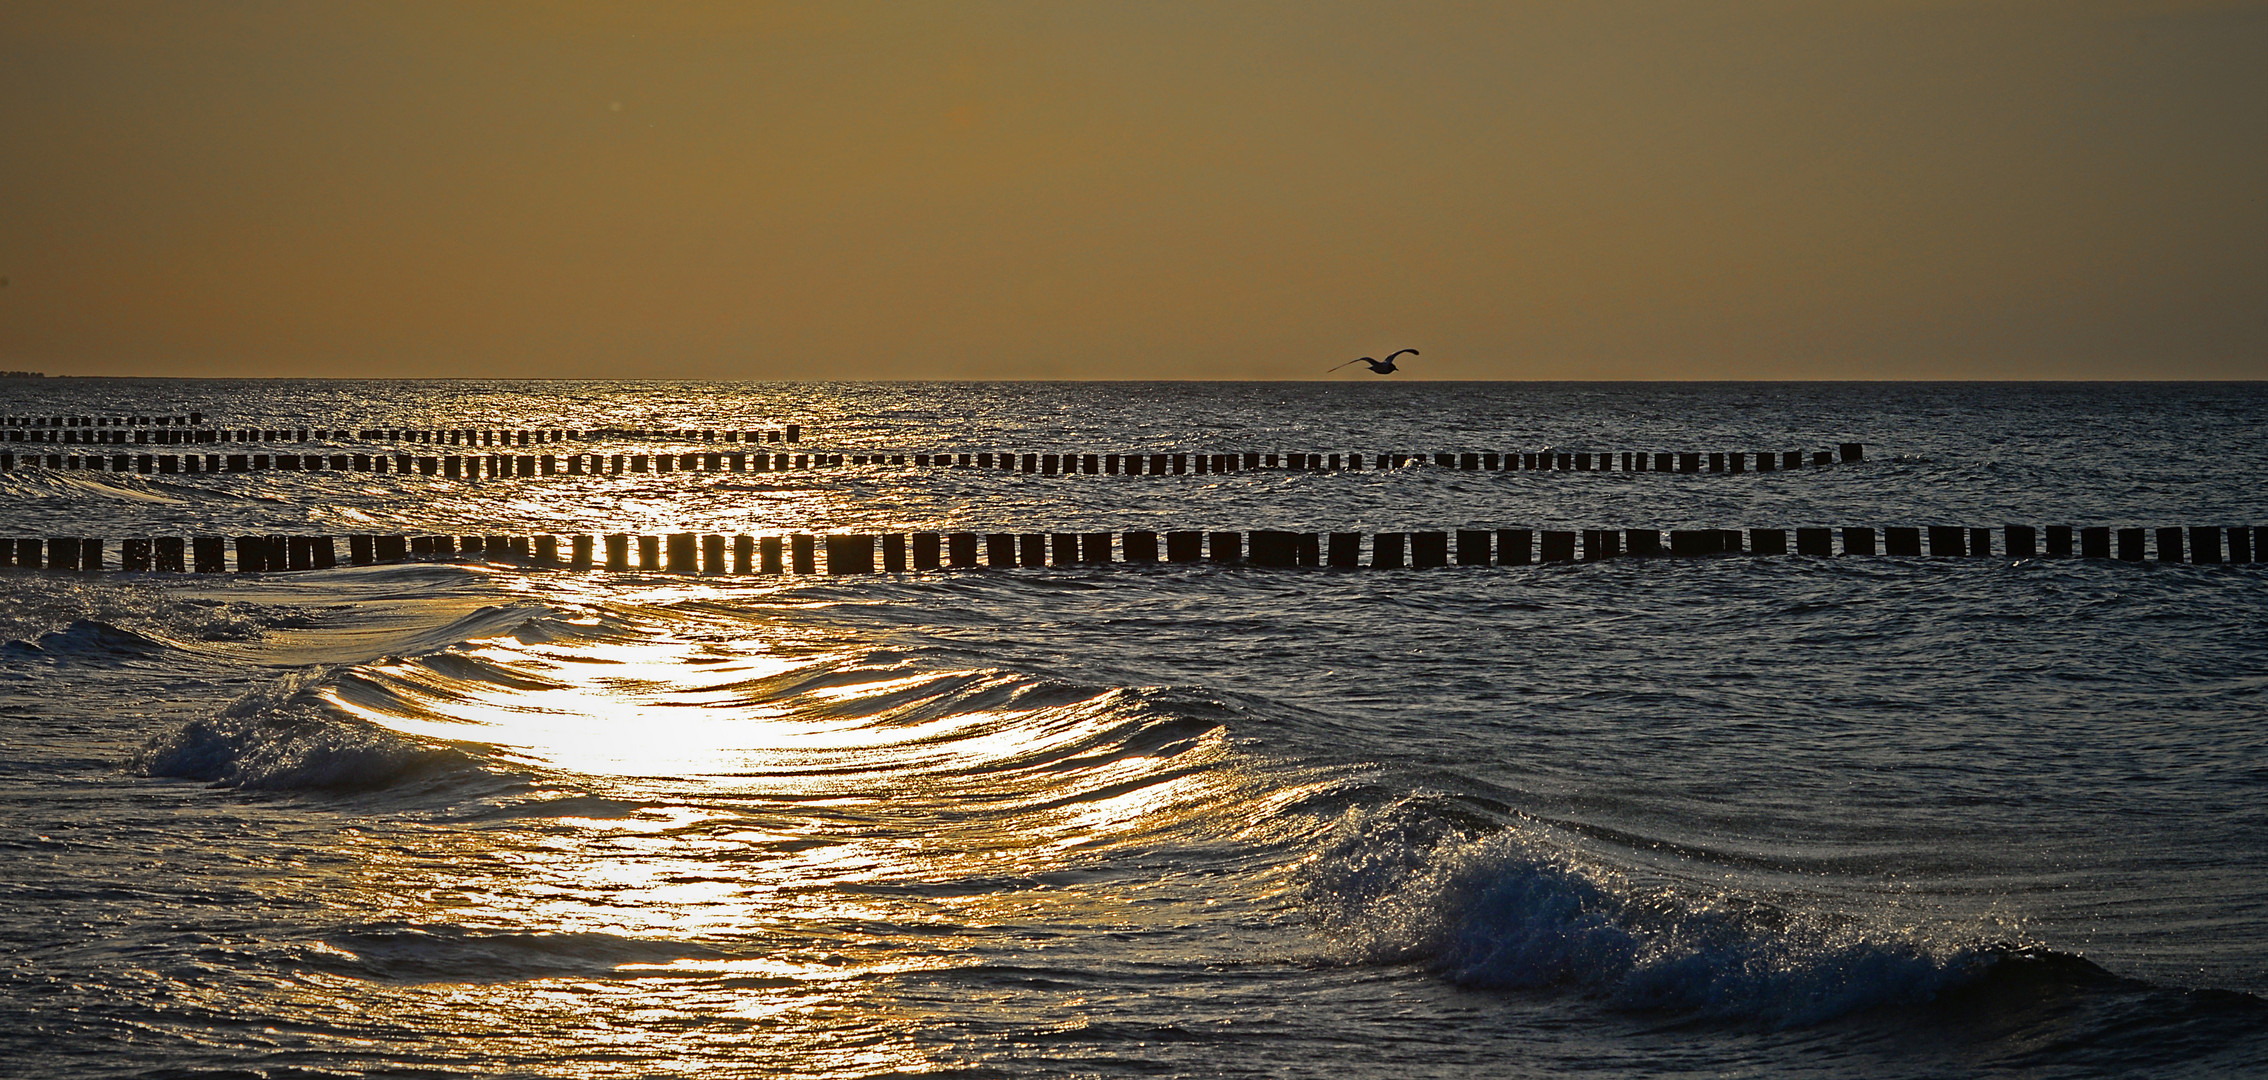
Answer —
1838 189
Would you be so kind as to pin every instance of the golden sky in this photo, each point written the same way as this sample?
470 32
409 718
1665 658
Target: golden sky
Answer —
1660 190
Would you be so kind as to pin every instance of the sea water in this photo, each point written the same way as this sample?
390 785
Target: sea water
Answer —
1785 816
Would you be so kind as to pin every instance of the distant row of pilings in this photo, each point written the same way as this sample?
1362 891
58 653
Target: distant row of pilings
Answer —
101 421
182 436
857 553
499 466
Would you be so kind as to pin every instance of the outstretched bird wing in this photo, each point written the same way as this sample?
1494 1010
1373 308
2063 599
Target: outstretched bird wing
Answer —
1412 352
1356 360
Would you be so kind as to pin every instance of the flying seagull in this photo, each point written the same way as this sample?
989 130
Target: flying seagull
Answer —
1378 367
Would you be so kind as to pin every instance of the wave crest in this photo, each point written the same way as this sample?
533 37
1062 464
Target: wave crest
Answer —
280 737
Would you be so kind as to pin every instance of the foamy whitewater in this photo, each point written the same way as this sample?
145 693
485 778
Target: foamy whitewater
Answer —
1766 817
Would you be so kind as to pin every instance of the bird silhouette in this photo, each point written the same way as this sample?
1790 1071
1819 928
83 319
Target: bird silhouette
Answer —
1379 367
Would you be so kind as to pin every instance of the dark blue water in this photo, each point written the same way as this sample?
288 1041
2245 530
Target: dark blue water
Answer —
1786 816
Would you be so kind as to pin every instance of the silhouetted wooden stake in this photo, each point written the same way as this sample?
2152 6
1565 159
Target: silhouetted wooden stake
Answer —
961 548
133 554
927 550
771 555
1902 540
1000 550
2095 542
1515 547
1386 551
2169 545
1429 550
1558 546
2130 543
1065 548
713 554
1310 549
170 552
893 553
1768 541
1139 545
1272 547
1094 547
1980 543
803 548
1643 542
2204 543
1473 547
1695 542
1225 547
1945 540
1858 540
850 554
2240 544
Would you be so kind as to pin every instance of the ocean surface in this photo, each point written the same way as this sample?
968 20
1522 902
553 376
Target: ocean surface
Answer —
1759 817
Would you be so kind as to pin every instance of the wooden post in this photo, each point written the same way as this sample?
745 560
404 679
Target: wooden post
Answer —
1594 544
1000 550
1739 461
618 552
546 550
1643 542
2058 541
1980 543
1274 548
804 549
1182 547
1310 549
301 551
2204 543
2094 542
850 553
2169 545
1717 462
1901 540
926 549
1768 541
1945 540
962 547
1515 547
1853 452
1065 548
893 553
1139 545
743 554
770 560
1346 549
326 552
1696 542
1558 546
134 554
1094 547
713 554
2240 544
170 550
251 554
1031 549
1473 547
2130 545
1386 551
1815 541
1225 547
1858 540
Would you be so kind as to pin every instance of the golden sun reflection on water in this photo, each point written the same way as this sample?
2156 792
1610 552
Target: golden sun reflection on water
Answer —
755 847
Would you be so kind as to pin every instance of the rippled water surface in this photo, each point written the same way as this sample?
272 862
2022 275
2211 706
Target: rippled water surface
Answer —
1787 816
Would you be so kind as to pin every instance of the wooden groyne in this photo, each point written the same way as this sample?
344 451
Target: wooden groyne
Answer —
503 466
195 436
861 553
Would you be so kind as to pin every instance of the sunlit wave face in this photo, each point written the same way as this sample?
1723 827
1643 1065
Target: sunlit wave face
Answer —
803 834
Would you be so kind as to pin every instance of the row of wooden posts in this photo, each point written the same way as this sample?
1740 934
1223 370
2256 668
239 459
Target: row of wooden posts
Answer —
855 553
176 436
101 421
478 466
